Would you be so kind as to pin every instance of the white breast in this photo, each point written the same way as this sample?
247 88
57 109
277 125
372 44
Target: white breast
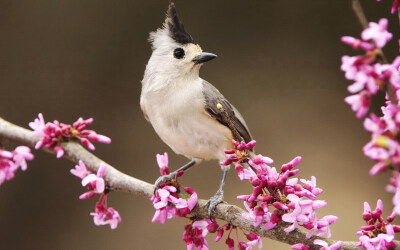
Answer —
178 116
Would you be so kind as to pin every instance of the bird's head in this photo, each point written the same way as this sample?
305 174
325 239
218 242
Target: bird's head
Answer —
174 50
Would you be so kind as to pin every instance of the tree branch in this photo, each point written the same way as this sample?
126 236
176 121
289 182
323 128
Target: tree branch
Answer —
358 10
119 181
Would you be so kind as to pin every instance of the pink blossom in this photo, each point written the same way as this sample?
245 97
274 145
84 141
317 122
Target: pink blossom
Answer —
321 226
382 241
254 240
22 154
325 245
230 243
302 211
52 134
365 78
350 65
312 186
292 202
245 174
104 215
38 126
95 183
5 154
378 234
378 33
394 187
383 149
256 215
194 235
300 246
80 170
239 146
388 72
166 199
162 161
395 6
290 165
374 124
168 204
10 162
356 43
359 103
390 118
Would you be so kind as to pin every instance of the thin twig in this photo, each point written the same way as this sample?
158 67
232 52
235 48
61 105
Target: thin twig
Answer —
358 10
119 181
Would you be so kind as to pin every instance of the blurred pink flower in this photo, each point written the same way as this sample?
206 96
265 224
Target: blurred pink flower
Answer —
394 187
357 43
378 33
195 235
10 162
80 170
359 103
300 246
325 246
395 6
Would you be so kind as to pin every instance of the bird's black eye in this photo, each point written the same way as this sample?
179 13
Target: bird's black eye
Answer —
179 53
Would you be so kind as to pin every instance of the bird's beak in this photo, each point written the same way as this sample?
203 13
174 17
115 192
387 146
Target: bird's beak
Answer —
204 57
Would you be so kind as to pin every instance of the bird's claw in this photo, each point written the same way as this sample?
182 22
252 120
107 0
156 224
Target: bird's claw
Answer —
163 179
214 201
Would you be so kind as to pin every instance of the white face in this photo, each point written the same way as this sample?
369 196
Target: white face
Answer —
173 58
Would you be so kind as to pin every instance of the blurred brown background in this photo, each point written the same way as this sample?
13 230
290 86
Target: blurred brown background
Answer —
278 62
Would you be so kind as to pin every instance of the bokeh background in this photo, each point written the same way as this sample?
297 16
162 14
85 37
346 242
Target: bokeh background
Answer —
278 62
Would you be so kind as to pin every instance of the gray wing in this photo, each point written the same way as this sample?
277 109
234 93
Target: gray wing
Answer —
212 97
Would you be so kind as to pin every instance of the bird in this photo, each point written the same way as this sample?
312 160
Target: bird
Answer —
188 113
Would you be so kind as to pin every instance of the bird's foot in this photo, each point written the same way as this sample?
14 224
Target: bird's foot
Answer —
214 201
163 179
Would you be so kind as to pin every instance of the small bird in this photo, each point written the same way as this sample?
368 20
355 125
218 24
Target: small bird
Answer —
189 114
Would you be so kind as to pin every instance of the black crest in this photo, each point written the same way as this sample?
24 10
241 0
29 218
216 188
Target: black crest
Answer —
175 26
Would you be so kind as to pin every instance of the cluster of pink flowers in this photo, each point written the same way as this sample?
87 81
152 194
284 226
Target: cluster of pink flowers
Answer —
377 234
394 187
169 203
95 183
369 75
290 199
52 134
324 245
195 233
395 6
11 161
167 200
384 147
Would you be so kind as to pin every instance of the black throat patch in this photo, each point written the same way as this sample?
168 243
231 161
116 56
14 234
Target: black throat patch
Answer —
175 26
